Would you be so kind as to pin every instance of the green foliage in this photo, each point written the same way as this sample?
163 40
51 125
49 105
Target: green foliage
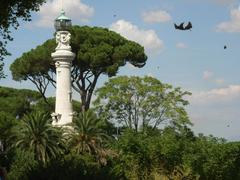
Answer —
213 158
14 103
7 122
98 51
104 51
23 164
34 63
36 134
41 105
151 154
31 148
17 102
74 167
86 135
141 102
134 161
10 13
36 66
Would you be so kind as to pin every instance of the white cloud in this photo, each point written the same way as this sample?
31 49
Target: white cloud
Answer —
157 16
181 45
147 38
218 95
212 111
233 25
75 9
207 75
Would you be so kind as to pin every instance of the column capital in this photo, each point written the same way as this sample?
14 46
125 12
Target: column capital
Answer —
63 40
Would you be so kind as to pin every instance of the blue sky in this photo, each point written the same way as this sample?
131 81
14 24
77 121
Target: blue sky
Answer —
194 60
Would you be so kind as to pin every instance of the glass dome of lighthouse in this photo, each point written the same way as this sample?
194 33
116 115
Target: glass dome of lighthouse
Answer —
62 22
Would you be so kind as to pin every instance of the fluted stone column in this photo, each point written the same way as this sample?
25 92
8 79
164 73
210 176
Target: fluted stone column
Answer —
63 57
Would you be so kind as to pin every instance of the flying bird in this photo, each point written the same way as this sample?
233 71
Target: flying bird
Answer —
225 47
182 27
188 26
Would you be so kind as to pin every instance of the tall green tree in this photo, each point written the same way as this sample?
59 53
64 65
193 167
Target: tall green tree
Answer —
36 134
137 102
98 51
11 12
87 135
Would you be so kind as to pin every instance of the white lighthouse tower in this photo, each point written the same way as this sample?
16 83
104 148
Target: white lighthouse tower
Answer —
63 57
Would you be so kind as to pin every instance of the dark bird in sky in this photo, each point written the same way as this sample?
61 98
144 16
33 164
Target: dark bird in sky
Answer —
114 15
188 26
181 26
225 47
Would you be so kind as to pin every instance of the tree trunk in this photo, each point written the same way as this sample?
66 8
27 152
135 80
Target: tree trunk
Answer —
83 100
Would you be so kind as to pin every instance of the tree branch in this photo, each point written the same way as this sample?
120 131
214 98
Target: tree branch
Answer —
41 86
